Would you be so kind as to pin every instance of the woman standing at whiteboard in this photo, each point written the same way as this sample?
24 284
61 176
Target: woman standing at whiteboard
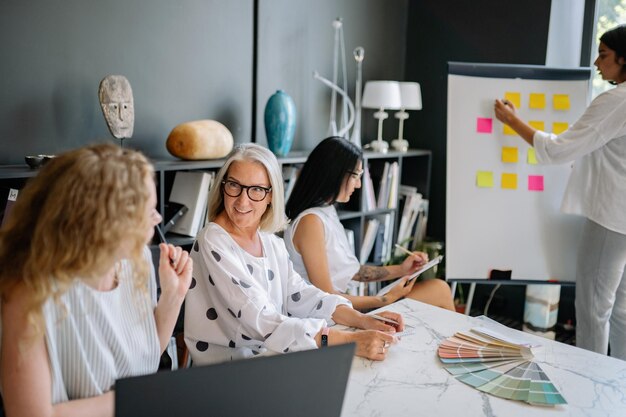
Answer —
596 190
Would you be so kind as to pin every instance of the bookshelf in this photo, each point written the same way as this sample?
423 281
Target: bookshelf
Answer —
15 176
414 168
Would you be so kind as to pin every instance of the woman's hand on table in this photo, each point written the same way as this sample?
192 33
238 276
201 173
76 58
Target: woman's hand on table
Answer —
395 323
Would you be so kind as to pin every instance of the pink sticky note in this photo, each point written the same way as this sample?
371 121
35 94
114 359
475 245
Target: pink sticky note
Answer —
535 182
484 124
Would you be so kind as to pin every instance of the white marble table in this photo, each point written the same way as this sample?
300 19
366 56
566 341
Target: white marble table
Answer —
411 381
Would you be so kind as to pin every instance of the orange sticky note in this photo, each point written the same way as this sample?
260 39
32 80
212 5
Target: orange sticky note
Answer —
508 131
484 179
559 127
514 97
560 101
537 101
537 124
509 181
531 157
509 154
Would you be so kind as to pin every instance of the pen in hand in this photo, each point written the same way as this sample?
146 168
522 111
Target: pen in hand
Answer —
384 319
161 235
403 249
163 240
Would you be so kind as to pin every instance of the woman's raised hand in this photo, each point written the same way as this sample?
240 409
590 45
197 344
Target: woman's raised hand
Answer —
504 110
175 268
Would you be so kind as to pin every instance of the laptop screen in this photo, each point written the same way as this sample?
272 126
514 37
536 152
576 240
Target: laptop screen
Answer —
308 383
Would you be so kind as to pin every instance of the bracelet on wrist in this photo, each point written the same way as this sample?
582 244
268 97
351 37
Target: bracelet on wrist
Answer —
325 332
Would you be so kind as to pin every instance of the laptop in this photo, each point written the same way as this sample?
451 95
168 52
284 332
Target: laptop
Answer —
309 383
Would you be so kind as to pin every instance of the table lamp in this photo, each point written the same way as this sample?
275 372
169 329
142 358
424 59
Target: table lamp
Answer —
411 99
381 95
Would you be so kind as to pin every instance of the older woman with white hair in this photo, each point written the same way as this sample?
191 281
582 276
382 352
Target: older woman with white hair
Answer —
245 298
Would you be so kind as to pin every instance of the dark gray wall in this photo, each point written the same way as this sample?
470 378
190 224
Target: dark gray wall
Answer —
492 31
185 60
296 37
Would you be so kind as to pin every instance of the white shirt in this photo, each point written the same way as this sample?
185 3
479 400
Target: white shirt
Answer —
342 263
597 141
95 337
239 305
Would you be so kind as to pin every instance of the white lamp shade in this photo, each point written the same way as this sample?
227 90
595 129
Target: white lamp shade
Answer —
411 96
382 95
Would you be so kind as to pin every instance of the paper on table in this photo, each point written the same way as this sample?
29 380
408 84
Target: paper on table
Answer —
415 274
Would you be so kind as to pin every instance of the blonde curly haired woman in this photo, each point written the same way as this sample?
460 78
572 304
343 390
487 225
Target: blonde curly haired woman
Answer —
77 284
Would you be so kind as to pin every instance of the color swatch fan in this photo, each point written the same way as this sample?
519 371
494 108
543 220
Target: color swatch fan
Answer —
490 363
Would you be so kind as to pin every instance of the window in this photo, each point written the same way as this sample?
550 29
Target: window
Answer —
610 13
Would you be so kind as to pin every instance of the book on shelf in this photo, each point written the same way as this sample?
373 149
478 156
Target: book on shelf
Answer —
369 237
9 197
368 191
173 213
412 206
379 243
383 188
420 224
388 236
392 201
191 188
205 216
382 244
290 175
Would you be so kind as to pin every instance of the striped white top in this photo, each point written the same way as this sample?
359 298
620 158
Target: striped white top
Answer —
95 337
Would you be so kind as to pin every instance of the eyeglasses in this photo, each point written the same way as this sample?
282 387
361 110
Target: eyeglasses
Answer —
356 175
254 192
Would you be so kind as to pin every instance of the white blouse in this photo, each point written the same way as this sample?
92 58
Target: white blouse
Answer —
239 305
597 141
95 337
342 263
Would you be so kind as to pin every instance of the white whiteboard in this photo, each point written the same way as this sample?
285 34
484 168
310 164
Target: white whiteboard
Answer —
508 229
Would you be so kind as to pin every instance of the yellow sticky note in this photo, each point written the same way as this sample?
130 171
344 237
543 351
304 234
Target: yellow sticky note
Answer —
508 131
561 101
509 181
509 154
537 101
532 157
484 179
539 125
559 127
515 98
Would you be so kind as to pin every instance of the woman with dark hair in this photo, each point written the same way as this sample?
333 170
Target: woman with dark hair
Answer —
317 243
596 190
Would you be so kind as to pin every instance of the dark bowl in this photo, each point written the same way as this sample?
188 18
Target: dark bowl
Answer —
34 161
37 161
46 158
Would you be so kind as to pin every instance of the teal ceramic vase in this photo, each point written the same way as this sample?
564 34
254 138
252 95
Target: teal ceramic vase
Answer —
280 122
